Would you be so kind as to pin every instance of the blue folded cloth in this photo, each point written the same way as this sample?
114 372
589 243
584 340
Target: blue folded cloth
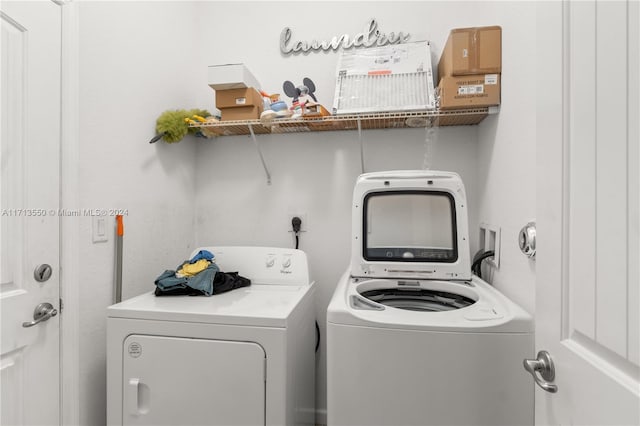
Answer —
168 281
203 280
201 283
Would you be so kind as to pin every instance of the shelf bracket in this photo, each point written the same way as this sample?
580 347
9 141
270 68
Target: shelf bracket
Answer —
361 144
264 164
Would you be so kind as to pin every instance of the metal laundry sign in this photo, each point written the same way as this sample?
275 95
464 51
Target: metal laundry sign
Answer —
370 36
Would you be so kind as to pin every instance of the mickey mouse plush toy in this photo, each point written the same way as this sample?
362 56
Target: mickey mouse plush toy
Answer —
301 95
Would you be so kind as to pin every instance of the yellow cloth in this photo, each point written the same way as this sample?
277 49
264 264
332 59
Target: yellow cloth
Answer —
191 269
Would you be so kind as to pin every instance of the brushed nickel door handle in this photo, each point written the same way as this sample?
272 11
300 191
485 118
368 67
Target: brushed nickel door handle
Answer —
43 312
542 370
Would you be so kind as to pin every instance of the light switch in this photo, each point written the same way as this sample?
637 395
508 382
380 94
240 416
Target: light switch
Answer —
99 228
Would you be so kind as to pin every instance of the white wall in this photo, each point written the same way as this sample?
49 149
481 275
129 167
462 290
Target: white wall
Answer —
136 61
139 59
507 152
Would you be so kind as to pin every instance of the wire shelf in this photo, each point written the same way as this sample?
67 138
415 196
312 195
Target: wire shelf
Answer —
388 120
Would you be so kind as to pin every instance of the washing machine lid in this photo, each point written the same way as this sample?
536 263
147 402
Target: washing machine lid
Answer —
410 224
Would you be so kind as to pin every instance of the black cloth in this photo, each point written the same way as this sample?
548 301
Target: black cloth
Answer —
226 281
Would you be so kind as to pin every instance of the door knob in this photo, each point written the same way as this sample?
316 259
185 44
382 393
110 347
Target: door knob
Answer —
43 312
527 239
542 370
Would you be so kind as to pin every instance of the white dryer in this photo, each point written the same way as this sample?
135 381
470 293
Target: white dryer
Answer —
412 337
245 357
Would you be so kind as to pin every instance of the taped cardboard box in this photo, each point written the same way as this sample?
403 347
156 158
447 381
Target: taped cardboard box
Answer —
231 76
472 51
242 113
469 91
239 104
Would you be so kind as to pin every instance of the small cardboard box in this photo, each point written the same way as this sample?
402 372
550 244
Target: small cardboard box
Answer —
236 98
231 76
239 104
314 111
242 113
472 51
469 91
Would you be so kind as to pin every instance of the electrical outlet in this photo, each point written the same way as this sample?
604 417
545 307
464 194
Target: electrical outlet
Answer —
490 241
304 225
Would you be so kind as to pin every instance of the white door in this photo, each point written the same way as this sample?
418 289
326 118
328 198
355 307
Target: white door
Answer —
587 288
185 381
29 196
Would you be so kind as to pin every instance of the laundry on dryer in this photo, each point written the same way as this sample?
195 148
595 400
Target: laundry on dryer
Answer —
413 338
198 276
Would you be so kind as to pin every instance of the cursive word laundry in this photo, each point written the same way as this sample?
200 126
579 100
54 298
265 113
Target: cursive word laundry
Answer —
370 36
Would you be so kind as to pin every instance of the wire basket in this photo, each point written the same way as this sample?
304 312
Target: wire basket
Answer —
385 79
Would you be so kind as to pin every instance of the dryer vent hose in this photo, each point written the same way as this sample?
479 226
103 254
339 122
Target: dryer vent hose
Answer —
476 266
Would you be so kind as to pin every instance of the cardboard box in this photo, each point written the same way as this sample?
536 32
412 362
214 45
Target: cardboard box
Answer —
314 111
236 98
231 76
242 113
472 51
239 104
469 91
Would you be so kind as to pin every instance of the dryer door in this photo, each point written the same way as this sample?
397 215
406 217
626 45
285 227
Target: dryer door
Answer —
181 381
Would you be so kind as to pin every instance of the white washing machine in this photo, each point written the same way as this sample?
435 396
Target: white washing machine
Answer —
244 357
412 337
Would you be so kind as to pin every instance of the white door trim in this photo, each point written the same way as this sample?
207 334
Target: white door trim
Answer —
70 226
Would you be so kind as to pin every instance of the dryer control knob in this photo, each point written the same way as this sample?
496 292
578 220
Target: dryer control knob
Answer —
271 260
286 262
